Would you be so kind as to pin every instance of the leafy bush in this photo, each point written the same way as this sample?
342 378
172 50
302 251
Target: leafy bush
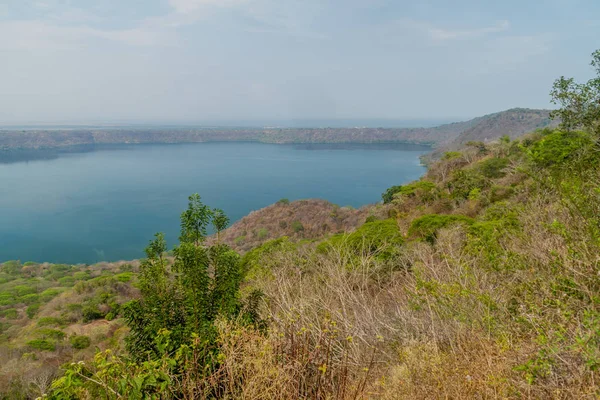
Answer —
464 181
50 321
379 237
207 287
32 310
297 226
22 290
66 281
283 201
388 195
424 189
91 313
11 267
80 341
427 226
124 277
557 147
370 218
41 344
29 298
262 233
49 294
10 313
47 333
493 167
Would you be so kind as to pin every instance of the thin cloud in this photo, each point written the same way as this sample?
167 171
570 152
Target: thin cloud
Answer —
188 6
439 34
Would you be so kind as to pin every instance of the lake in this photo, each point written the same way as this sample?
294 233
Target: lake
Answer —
94 204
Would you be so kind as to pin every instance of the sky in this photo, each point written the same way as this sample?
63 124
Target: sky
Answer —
193 61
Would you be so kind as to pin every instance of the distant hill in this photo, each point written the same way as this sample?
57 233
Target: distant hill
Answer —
513 122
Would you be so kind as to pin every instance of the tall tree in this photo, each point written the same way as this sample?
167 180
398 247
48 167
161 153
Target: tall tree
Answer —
579 102
185 296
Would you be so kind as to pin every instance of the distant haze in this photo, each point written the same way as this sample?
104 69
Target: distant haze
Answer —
285 62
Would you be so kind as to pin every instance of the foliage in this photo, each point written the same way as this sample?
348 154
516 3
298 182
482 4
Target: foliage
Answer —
388 195
381 238
423 188
493 167
80 341
41 344
427 226
557 147
184 299
579 102
297 226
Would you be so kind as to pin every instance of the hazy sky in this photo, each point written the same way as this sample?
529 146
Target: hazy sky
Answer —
200 60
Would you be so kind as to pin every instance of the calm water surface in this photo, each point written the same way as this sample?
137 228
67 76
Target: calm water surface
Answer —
105 204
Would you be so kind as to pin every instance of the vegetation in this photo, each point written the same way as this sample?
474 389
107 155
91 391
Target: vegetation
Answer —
478 281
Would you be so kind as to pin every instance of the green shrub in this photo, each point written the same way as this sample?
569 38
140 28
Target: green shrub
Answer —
41 344
49 294
427 226
66 281
29 298
32 310
22 290
7 299
91 313
464 181
493 167
47 333
283 201
423 189
370 218
262 233
379 237
124 277
388 195
10 313
297 226
11 267
81 275
49 321
80 341
557 147
451 155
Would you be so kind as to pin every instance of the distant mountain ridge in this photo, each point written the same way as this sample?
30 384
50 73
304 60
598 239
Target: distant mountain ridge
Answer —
513 122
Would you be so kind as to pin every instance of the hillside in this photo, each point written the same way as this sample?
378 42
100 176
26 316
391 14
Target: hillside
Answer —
303 219
515 121
477 280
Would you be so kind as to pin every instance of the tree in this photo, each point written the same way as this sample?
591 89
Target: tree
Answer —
184 298
219 221
579 102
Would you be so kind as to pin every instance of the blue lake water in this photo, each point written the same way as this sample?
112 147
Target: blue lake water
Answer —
106 204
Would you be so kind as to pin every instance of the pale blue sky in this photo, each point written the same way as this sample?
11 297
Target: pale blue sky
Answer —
206 60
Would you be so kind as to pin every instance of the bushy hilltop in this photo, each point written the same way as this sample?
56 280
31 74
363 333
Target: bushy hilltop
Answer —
480 279
310 219
514 122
